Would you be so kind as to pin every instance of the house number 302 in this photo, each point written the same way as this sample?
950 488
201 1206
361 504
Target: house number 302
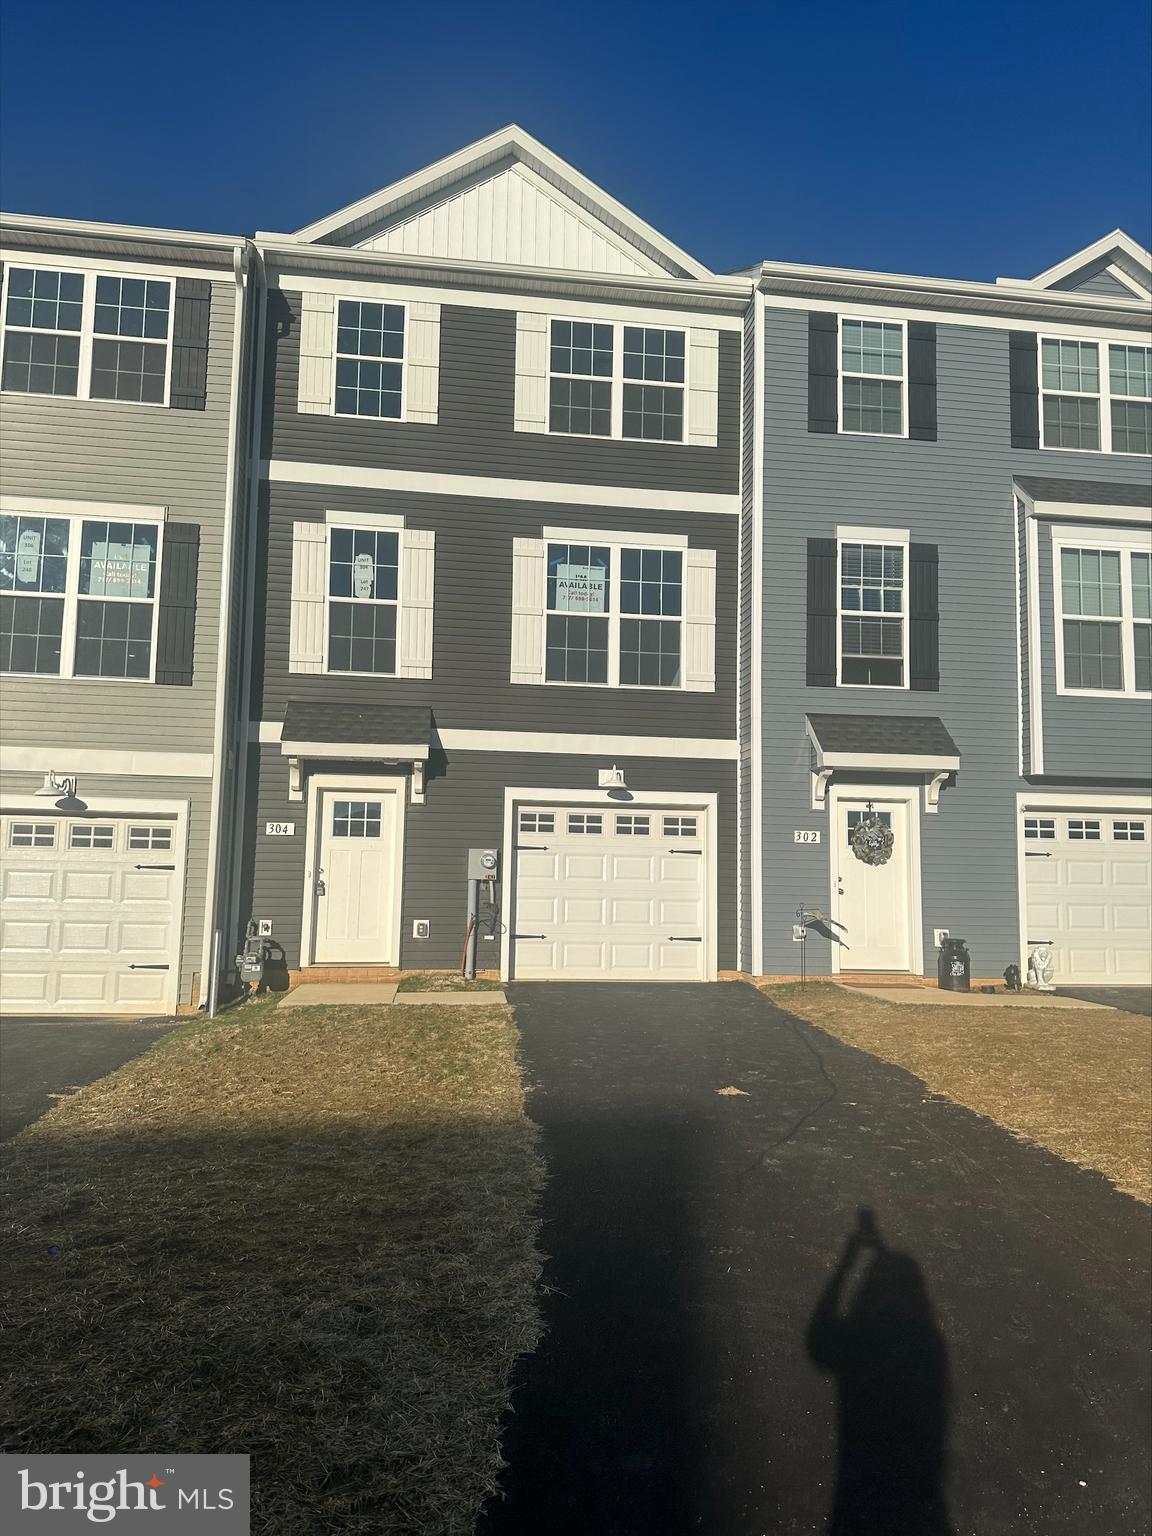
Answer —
800 836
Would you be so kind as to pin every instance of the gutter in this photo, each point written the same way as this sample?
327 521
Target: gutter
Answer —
36 223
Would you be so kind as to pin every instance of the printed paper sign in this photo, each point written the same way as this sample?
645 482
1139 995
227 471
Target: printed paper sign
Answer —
363 576
580 588
28 557
119 570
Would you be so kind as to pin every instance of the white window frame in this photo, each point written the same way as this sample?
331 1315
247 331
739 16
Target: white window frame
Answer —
880 536
350 523
615 543
842 374
360 358
617 381
1102 395
87 332
1126 543
77 515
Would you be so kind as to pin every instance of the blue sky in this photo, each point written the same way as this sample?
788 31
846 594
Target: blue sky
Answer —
970 140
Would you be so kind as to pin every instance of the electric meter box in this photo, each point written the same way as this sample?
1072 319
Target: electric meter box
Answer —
483 864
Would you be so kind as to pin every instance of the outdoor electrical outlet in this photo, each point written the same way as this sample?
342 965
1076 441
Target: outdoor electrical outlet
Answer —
421 928
938 937
799 933
264 928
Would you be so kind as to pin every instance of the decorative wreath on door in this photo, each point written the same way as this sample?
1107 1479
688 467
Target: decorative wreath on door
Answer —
871 841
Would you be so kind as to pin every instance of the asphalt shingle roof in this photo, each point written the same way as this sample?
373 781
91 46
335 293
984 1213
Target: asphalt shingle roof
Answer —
357 724
883 735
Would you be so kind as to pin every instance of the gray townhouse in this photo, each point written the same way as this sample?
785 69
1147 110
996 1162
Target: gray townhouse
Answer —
122 462
946 698
495 583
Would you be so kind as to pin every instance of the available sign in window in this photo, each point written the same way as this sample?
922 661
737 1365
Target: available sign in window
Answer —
581 589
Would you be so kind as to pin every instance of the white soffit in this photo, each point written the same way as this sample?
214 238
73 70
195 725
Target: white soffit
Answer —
506 198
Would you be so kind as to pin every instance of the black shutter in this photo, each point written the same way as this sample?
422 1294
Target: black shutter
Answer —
176 632
1023 389
823 372
924 617
922 381
190 344
822 615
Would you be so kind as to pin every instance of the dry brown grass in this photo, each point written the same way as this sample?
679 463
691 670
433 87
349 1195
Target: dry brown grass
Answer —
1078 1082
304 1235
447 981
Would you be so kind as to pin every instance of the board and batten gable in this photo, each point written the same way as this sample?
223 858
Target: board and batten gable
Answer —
470 686
116 453
475 429
955 493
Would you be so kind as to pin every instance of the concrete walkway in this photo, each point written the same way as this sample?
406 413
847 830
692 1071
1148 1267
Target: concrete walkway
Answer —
731 1348
363 994
936 997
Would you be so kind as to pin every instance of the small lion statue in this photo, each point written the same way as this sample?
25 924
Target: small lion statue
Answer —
1041 969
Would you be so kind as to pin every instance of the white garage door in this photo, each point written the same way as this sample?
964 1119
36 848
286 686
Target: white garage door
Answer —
1088 879
89 915
611 895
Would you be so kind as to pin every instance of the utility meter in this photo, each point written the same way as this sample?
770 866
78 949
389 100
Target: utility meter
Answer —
483 863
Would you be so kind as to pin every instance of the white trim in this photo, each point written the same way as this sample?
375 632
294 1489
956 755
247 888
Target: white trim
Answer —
422 482
598 536
79 760
617 382
267 733
50 506
1135 334
879 795
1117 240
561 306
881 378
15 801
140 266
704 802
1102 394
897 762
512 141
401 752
1125 544
905 615
1018 612
375 784
1077 511
364 519
756 681
853 535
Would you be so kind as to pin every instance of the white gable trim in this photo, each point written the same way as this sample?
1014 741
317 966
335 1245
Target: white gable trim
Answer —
515 142
1116 241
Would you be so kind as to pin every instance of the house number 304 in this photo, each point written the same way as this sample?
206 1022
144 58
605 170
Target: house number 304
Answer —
800 836
279 828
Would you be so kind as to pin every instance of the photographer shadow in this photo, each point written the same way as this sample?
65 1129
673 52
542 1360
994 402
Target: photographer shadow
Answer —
874 1330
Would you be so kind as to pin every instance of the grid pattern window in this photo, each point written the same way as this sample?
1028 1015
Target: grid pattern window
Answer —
1105 615
33 581
85 835
1129 831
115 608
872 377
614 616
363 590
130 340
577 623
1040 828
1093 405
43 319
1083 830
615 380
32 834
150 839
633 826
537 821
680 826
356 818
872 629
370 360
585 824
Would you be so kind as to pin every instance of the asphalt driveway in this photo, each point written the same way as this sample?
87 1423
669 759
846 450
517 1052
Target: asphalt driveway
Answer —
40 1060
734 1349
1131 999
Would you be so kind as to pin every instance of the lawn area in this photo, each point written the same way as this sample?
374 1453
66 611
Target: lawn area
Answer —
1078 1082
447 981
304 1234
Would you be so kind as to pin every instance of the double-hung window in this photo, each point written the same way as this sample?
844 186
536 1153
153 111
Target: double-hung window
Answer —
614 615
873 614
872 377
1103 616
614 380
369 359
1092 405
363 599
78 596
86 335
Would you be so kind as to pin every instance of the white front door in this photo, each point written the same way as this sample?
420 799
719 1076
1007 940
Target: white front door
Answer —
873 901
353 894
611 894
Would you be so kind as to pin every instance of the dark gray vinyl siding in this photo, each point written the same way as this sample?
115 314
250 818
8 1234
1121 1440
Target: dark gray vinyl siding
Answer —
464 809
1100 738
474 434
957 494
470 686
1097 280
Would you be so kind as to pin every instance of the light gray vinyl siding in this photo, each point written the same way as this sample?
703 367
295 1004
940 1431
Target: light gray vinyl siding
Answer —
464 809
955 493
99 450
475 433
472 620
1104 739
197 794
